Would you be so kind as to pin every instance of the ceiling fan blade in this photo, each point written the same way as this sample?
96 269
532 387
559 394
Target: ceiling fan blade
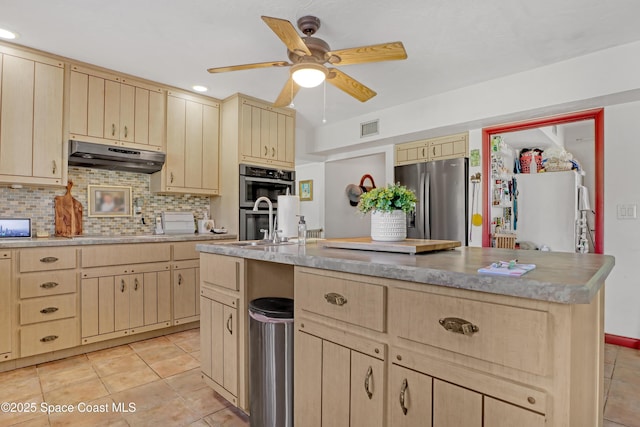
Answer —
287 94
350 85
288 34
363 54
249 66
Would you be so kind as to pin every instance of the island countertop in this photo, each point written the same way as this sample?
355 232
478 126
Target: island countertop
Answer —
564 278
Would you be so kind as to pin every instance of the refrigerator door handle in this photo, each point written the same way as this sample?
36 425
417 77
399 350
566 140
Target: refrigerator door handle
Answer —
424 205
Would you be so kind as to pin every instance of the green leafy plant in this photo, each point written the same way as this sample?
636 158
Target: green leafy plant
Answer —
387 199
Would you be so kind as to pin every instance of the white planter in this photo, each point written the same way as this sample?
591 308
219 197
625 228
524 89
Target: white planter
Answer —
388 226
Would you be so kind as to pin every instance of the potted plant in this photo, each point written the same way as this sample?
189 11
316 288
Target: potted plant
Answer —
389 207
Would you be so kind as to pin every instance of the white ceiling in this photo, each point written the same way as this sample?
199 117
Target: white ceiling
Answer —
450 44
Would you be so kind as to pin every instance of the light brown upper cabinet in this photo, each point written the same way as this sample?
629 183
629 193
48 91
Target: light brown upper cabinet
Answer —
31 125
193 146
266 134
445 147
111 109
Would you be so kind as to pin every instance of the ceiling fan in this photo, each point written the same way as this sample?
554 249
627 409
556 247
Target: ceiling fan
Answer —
308 56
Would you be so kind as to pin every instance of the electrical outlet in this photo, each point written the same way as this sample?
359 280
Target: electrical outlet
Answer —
627 211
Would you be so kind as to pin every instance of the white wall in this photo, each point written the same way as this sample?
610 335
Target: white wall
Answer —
313 210
622 237
342 219
475 143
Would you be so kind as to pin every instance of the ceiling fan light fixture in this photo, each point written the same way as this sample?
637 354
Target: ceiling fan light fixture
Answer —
308 74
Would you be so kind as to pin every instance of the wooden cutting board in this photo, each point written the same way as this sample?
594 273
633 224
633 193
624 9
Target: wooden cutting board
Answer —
408 246
68 214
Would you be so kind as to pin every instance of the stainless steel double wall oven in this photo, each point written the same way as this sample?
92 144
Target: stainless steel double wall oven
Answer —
257 182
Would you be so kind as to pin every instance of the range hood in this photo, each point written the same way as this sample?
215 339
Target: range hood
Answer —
99 156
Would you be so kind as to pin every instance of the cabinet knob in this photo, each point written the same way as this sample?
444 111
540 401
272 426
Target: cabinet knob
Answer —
367 382
49 338
335 299
531 400
229 320
48 285
403 390
458 326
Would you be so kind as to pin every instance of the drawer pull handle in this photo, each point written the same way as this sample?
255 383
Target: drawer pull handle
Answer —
367 380
113 129
403 390
135 288
126 132
49 310
229 320
122 285
458 326
48 285
48 259
335 299
49 338
179 279
273 152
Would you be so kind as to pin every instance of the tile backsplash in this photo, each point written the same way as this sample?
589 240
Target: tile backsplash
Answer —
37 203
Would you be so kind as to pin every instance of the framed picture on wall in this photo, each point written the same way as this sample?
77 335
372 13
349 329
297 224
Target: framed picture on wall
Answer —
105 200
305 190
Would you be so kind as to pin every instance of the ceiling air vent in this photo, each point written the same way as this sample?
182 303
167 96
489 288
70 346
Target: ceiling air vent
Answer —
369 128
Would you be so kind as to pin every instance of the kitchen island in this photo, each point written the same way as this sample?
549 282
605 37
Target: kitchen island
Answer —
408 340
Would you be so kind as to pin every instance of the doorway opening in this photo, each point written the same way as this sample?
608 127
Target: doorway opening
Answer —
595 119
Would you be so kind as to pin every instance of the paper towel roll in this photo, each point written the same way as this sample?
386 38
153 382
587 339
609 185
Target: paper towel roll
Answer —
288 208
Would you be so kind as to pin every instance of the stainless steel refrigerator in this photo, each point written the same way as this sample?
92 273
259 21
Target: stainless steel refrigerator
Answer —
442 189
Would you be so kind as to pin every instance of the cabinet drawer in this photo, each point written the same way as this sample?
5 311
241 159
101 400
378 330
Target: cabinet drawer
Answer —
351 301
220 270
47 308
47 259
48 336
185 250
135 253
502 331
49 283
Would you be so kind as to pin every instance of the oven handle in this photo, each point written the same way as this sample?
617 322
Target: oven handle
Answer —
258 212
268 180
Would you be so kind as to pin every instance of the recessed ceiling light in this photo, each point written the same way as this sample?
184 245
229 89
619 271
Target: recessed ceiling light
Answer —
6 34
199 88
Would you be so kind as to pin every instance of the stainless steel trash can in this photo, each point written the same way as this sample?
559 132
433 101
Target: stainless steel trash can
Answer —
271 362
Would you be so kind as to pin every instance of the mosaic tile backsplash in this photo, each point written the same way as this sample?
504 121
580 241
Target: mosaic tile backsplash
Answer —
37 203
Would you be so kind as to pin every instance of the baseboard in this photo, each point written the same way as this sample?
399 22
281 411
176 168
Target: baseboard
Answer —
622 341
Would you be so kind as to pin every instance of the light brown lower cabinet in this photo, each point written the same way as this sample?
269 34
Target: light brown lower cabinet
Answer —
350 385
219 337
410 397
122 304
186 291
5 313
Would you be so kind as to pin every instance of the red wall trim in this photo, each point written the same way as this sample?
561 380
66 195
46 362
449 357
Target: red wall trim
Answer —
597 115
622 341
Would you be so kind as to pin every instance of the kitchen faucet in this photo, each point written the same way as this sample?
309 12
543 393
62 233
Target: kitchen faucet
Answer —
272 236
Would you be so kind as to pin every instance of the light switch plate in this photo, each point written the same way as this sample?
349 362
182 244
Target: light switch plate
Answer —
627 211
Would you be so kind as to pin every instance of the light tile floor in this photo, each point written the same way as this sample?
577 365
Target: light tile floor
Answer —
161 378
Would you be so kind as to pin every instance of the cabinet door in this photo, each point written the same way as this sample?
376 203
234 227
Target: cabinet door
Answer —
5 300
410 398
141 116
307 380
206 336
455 406
217 341
156 119
193 145
16 117
176 125
336 387
106 304
96 107
184 293
276 137
290 141
136 300
258 149
157 297
230 346
210 147
245 130
501 414
121 302
47 121
267 145
111 110
127 113
367 391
